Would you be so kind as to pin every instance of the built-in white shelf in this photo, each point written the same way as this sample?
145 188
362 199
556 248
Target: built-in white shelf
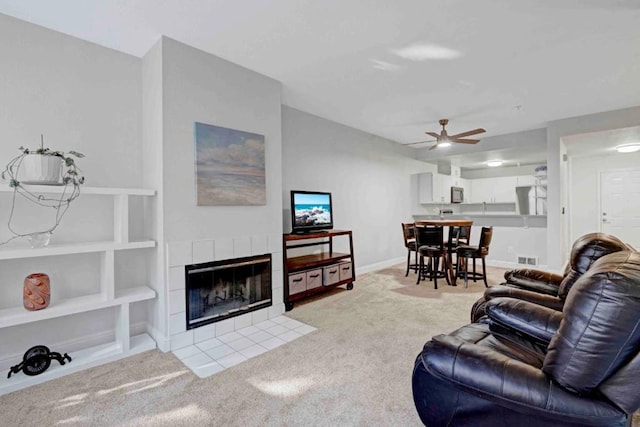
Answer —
73 248
109 295
83 359
19 315
107 191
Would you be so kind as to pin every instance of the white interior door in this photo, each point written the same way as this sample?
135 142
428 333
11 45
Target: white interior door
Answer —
620 205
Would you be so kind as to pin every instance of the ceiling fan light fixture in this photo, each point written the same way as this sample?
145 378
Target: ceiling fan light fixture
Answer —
494 163
628 148
443 144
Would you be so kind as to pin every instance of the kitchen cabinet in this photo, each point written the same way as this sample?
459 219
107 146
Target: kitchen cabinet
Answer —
434 188
524 180
425 187
494 190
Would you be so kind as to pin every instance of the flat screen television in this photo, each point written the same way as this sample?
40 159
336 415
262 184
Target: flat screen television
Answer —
310 211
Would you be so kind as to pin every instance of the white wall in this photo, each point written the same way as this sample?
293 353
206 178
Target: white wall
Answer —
80 96
184 85
584 172
368 176
86 98
152 178
199 87
556 222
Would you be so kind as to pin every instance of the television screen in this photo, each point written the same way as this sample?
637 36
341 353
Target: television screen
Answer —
310 211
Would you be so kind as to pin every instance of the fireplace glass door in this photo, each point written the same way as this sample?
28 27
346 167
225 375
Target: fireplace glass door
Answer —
222 289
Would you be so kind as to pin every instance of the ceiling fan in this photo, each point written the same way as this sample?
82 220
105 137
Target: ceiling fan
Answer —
444 140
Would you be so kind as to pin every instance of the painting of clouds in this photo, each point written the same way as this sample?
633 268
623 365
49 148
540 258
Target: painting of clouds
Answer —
229 167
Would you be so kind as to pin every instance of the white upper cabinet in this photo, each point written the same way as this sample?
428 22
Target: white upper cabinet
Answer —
433 188
425 187
444 195
494 190
524 180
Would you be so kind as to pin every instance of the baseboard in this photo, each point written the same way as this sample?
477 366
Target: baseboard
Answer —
395 261
513 265
163 342
379 265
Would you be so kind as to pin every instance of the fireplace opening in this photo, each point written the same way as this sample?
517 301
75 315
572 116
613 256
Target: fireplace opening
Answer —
220 290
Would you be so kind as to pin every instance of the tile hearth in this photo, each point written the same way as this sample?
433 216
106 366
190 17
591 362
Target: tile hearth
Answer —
216 354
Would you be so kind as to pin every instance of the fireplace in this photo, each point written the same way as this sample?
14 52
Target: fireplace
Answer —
220 290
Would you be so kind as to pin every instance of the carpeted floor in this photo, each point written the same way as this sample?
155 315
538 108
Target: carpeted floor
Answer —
354 370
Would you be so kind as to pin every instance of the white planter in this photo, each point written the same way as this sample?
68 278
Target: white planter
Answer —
40 170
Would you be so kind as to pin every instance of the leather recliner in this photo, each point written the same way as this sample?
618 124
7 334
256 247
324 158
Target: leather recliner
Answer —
585 374
546 288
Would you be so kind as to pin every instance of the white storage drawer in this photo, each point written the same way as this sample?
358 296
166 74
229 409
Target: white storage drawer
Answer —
331 274
314 278
297 283
345 271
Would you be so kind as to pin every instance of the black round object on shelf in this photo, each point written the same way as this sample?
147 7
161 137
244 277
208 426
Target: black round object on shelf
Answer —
37 359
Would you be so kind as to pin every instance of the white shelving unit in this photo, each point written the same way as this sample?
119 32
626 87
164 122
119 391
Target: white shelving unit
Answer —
109 295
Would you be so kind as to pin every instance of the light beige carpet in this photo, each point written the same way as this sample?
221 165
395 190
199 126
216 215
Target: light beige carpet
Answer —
354 370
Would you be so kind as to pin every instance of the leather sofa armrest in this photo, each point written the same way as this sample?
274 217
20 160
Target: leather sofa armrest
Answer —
537 280
532 320
545 300
507 381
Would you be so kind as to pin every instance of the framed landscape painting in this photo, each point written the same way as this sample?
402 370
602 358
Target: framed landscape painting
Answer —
230 167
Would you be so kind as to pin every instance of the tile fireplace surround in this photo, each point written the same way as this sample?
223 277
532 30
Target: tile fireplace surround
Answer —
182 253
211 348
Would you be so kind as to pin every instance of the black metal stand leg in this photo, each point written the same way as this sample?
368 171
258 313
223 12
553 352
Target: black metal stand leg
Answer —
408 263
466 272
484 273
434 272
448 270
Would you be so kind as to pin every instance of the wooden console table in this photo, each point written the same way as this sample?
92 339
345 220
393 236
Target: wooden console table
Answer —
307 275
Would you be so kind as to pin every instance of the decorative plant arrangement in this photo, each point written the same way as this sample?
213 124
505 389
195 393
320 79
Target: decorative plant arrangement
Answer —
43 166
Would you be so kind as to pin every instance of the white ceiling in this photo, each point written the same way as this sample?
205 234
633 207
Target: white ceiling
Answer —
505 65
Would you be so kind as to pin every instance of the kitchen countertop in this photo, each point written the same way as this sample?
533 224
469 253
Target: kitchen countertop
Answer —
494 218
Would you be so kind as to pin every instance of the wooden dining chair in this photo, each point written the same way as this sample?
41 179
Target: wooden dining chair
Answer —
409 235
464 253
430 245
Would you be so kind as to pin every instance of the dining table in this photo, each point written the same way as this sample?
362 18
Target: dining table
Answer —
451 223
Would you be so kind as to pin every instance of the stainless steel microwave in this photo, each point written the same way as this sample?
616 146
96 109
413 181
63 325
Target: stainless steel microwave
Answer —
457 194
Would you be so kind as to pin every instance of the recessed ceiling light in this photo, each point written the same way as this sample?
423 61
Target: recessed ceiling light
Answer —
423 52
494 163
628 148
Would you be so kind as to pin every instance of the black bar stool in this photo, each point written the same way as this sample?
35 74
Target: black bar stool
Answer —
474 252
409 235
430 244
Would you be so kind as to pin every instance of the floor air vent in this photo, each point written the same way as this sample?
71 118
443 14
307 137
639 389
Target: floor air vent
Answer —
525 260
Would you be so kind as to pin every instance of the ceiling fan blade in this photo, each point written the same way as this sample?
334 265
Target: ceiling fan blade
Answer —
466 141
435 146
433 134
468 133
419 142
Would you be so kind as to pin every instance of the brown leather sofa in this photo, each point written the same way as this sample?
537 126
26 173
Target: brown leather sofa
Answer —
546 288
580 370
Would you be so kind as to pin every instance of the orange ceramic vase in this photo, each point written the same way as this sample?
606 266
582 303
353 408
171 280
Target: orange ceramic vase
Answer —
36 294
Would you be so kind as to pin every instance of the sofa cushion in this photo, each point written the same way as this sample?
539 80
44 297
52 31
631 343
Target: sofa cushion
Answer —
585 251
